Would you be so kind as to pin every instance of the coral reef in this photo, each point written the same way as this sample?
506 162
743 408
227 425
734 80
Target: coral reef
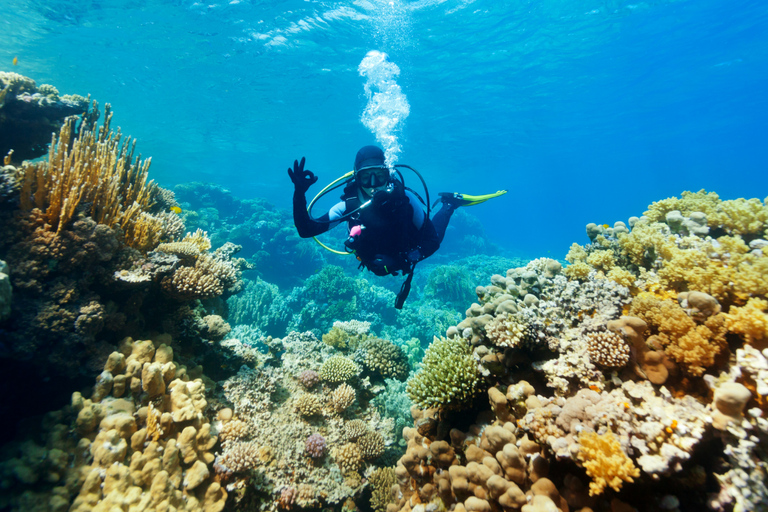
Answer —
300 460
645 366
140 441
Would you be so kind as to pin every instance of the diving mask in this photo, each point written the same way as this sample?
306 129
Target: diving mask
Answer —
373 176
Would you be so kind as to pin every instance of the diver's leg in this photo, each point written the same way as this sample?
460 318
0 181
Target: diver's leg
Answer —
441 218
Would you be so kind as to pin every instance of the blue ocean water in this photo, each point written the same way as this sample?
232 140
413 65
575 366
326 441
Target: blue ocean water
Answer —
586 111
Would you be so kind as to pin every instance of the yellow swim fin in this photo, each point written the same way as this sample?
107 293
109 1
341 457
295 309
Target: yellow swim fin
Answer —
456 199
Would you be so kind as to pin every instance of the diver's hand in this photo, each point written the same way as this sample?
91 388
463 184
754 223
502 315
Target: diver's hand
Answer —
382 265
301 179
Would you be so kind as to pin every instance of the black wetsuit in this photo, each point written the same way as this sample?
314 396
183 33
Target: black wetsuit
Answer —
389 226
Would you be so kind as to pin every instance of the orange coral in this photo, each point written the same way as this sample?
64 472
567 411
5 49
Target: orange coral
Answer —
605 462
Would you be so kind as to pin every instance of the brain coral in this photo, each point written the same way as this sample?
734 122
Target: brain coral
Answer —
448 378
338 369
385 358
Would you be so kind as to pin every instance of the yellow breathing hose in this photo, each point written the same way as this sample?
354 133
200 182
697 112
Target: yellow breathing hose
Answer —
321 194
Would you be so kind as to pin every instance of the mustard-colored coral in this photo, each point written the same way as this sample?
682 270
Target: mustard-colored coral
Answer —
577 271
92 167
750 321
576 253
602 260
694 346
737 216
605 462
701 201
621 276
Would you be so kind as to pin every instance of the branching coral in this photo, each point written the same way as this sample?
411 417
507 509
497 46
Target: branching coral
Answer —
694 346
750 321
385 358
605 462
338 369
448 378
93 167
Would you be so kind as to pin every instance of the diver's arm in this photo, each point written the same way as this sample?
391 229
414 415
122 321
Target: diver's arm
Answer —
306 226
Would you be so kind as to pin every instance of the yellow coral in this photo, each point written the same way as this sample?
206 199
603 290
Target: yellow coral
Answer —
602 260
701 201
695 347
749 321
199 238
605 462
647 241
576 253
94 167
743 216
621 276
578 270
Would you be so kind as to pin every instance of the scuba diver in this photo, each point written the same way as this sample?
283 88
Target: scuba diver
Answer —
389 231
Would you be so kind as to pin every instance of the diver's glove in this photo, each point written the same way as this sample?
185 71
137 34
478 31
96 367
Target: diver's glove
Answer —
383 265
301 179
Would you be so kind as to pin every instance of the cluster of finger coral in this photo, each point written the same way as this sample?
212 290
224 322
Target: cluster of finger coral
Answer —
646 356
309 446
141 439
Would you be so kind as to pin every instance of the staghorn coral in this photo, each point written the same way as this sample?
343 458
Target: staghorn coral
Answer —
605 462
448 378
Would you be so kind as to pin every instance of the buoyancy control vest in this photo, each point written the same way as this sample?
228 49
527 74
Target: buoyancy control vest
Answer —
386 224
